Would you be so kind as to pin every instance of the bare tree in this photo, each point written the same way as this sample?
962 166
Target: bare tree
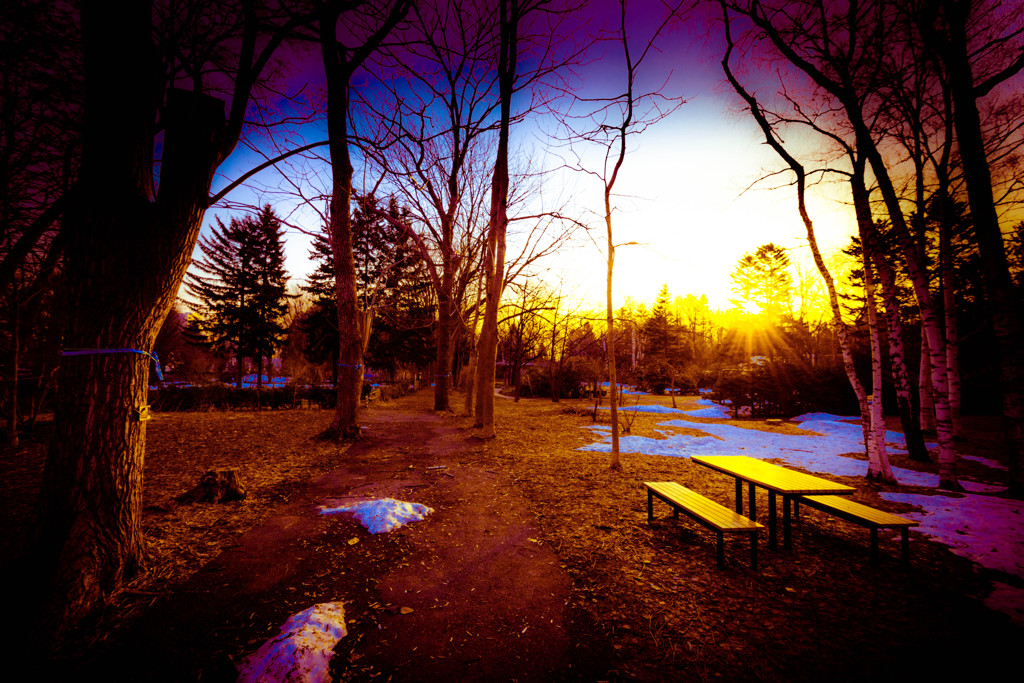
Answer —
979 48
608 125
837 49
870 408
128 242
340 64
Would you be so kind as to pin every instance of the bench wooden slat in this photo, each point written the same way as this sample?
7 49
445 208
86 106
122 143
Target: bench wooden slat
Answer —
853 511
719 516
866 516
705 511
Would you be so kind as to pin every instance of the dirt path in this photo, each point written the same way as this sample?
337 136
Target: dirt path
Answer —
488 601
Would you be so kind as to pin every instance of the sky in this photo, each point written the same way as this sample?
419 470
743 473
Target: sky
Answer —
682 194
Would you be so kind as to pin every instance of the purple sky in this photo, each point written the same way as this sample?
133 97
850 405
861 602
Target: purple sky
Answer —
682 186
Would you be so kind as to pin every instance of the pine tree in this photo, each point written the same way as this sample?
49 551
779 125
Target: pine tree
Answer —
390 281
658 327
763 283
241 288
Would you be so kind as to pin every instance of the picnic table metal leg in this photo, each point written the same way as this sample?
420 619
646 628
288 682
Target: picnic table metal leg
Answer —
874 545
771 520
753 551
751 503
650 505
786 538
721 549
739 496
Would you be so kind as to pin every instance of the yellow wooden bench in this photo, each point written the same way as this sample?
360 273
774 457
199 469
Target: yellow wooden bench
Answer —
869 517
705 511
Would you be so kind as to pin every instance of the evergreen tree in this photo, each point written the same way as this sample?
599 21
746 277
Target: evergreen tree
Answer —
390 280
763 283
240 284
658 327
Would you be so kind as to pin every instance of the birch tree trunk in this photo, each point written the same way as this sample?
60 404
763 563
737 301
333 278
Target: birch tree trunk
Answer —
860 197
878 461
949 310
950 36
926 405
916 449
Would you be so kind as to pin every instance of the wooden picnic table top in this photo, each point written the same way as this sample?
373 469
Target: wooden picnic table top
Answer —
772 477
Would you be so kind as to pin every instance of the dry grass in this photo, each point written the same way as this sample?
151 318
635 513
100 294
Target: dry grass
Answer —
647 595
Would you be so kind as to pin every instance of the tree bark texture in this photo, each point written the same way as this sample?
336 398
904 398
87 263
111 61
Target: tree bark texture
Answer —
338 71
926 406
952 337
878 460
128 247
897 356
494 259
1003 299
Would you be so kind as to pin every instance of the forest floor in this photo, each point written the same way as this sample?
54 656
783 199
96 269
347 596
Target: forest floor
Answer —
538 562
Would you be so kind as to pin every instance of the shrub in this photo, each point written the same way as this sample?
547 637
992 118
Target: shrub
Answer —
572 380
777 388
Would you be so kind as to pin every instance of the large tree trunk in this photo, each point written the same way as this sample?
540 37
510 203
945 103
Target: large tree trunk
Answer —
474 352
873 420
338 71
494 263
926 406
126 256
443 339
1003 299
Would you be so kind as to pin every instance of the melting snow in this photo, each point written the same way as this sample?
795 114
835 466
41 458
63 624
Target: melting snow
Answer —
302 652
384 514
986 529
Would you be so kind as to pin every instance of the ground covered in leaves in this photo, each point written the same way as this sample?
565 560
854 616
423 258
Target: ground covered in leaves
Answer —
539 562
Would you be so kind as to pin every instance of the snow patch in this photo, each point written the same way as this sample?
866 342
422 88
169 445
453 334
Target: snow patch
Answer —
301 652
983 528
653 408
382 515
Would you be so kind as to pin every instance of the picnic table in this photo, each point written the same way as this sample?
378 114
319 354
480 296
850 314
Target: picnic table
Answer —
775 479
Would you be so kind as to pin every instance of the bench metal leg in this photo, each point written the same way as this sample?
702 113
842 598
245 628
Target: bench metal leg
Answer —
786 537
905 545
739 496
650 505
771 520
721 549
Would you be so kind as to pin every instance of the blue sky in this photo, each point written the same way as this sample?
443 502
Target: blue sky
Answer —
681 193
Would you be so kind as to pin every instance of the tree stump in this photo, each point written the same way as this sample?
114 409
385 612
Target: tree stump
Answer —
216 486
